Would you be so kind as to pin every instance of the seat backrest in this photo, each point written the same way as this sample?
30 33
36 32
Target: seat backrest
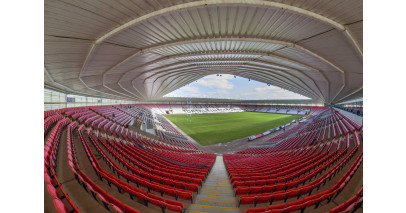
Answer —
174 202
60 206
52 191
156 197
48 178
279 206
174 208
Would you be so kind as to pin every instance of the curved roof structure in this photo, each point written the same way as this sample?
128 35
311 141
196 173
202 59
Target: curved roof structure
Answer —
144 49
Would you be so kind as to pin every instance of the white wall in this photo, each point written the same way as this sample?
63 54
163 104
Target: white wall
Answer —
350 115
56 100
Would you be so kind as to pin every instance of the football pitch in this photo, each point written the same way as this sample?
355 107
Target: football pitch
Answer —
208 129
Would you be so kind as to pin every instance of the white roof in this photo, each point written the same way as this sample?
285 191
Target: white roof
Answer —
142 50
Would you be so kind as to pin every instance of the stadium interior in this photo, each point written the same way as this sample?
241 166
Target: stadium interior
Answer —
113 142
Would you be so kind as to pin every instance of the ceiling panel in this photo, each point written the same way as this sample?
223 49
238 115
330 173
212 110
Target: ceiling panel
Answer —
145 49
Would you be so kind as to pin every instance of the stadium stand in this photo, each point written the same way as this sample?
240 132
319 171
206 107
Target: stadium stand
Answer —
207 108
166 173
147 164
299 165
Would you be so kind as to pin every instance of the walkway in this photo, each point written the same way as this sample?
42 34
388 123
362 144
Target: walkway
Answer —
216 194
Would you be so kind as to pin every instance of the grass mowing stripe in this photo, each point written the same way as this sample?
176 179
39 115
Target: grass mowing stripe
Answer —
208 129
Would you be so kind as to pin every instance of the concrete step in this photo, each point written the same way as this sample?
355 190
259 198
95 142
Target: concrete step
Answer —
216 194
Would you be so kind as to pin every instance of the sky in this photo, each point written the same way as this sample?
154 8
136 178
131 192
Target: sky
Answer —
228 87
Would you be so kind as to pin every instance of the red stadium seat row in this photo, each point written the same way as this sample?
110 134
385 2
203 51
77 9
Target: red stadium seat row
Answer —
51 150
190 160
313 199
87 183
332 125
191 168
50 120
275 161
122 186
351 204
280 172
149 165
87 116
278 183
49 113
149 181
115 130
286 188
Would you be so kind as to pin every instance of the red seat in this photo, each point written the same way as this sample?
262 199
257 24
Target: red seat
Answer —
118 209
246 199
141 196
192 187
167 181
169 191
292 184
256 210
280 186
281 179
271 181
279 206
250 183
268 188
156 178
128 209
186 179
296 205
307 204
263 198
238 183
174 202
155 187
310 201
242 190
48 178
255 189
186 195
174 206
306 189
284 210
292 193
277 197
144 183
60 206
197 181
156 202
260 182
178 184
52 191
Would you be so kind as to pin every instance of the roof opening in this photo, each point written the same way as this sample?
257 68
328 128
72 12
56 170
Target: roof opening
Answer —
226 86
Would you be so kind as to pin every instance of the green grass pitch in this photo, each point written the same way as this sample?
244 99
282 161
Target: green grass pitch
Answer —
208 129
